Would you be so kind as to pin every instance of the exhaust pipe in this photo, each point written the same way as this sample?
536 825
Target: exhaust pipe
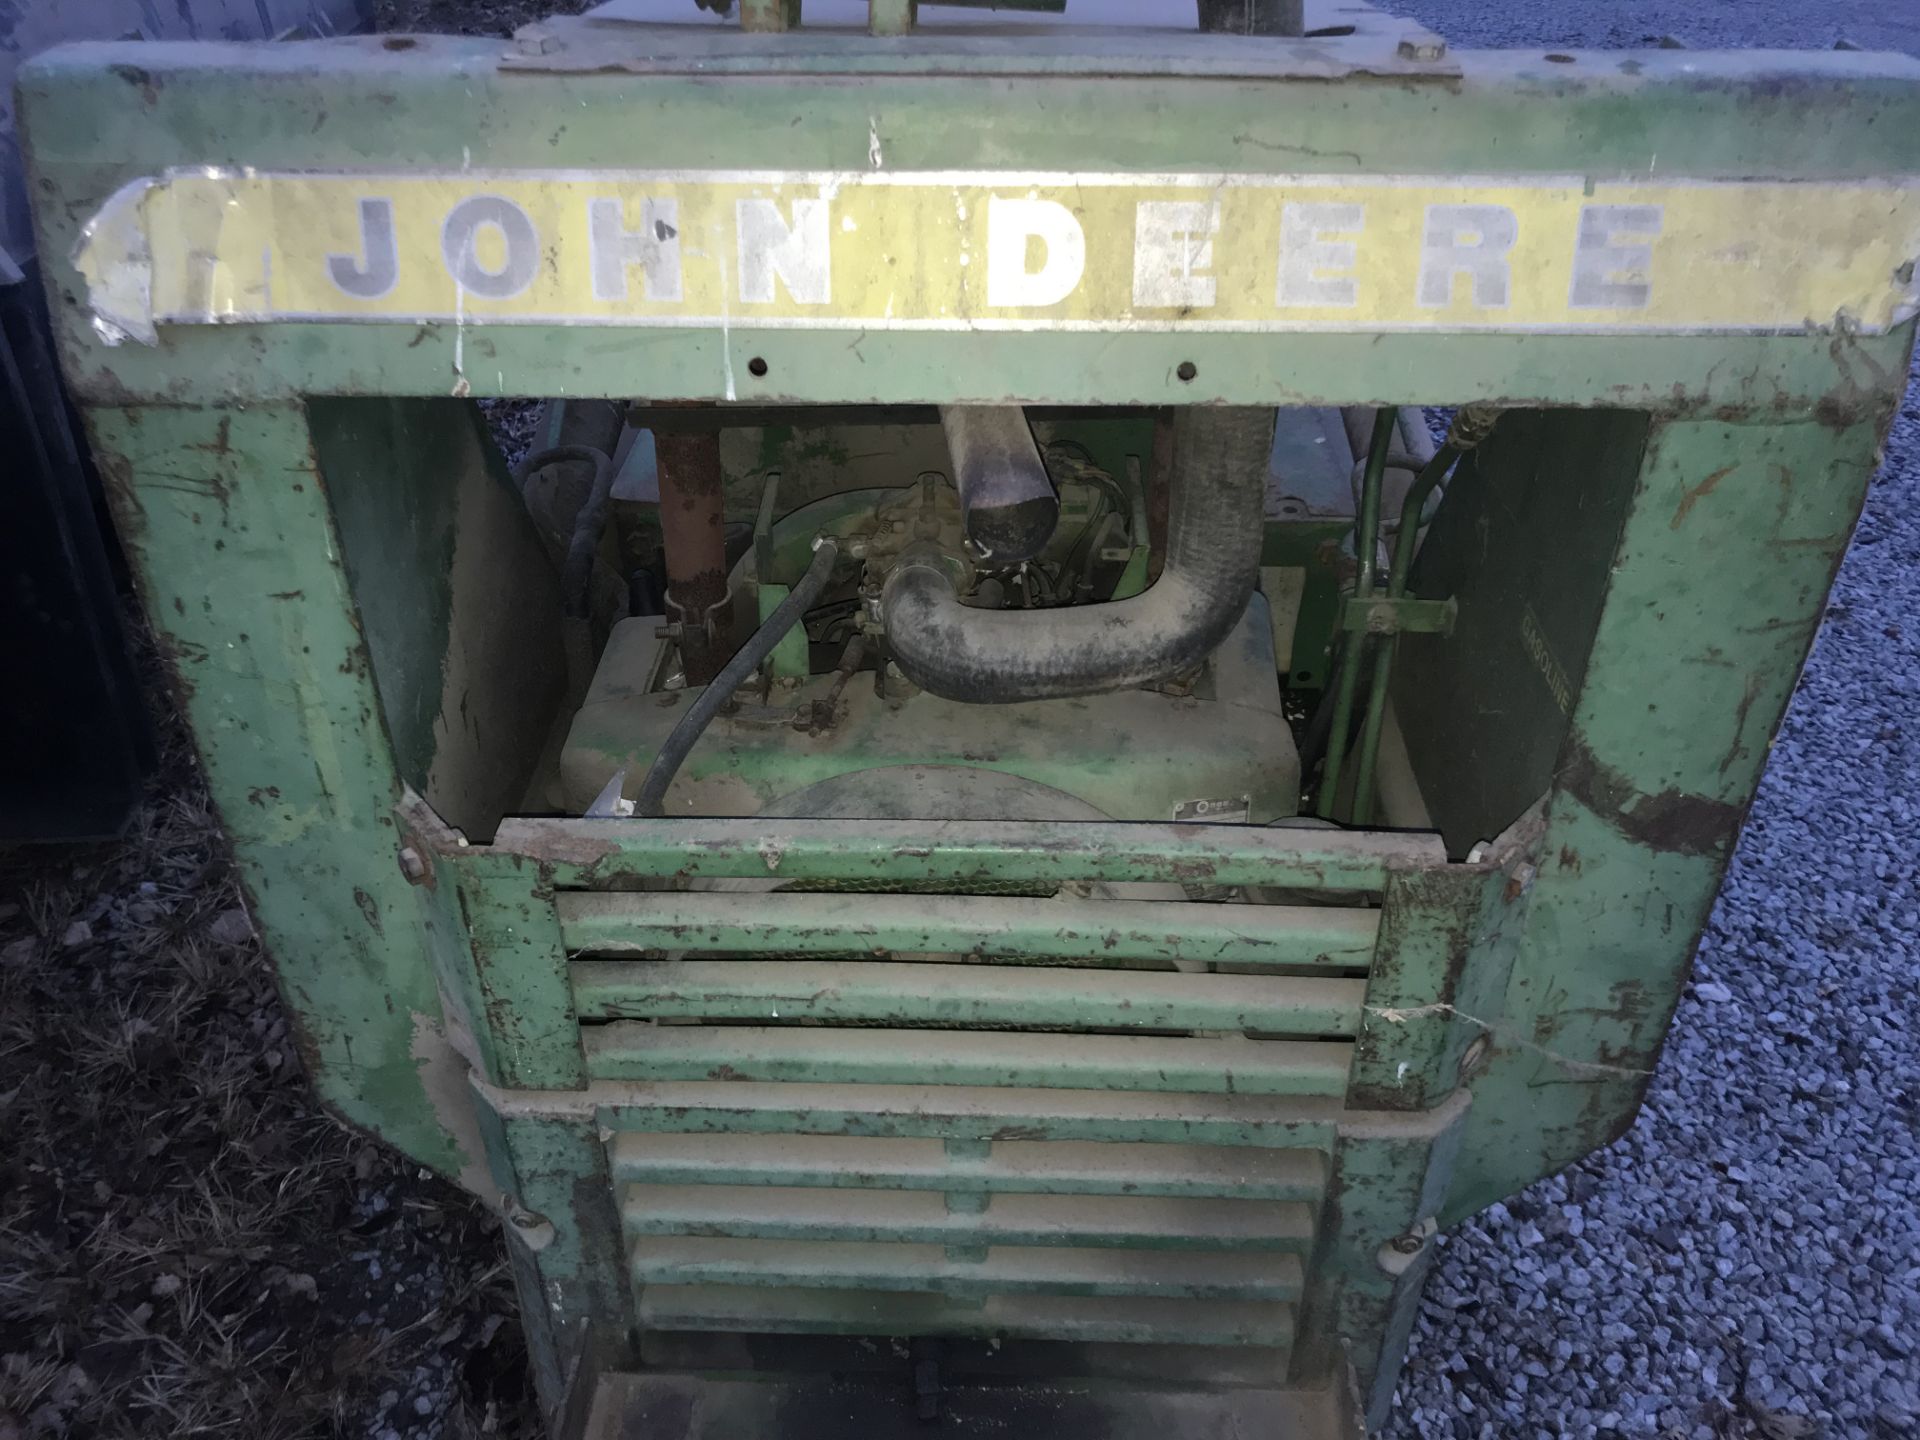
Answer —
987 657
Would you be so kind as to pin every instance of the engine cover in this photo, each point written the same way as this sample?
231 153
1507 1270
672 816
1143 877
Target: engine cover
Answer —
1222 753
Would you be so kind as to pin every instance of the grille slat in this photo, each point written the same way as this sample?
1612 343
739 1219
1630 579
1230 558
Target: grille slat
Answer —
922 1217
1169 932
635 1050
1050 1270
1010 1166
909 994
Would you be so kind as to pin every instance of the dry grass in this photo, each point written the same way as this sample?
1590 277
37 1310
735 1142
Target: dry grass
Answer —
188 1245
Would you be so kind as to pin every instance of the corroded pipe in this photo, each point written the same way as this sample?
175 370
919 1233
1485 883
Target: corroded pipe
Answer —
694 534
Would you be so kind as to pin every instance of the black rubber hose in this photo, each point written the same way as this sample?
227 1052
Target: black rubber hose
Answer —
1216 498
576 571
1007 499
682 738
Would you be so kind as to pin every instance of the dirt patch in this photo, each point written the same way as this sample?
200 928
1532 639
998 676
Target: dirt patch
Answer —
188 1244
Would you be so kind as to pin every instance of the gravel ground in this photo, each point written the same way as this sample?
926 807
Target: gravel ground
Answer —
1746 1261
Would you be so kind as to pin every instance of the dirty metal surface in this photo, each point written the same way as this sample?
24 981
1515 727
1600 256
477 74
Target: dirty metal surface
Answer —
603 853
1711 134
1160 756
1031 1167
1057 929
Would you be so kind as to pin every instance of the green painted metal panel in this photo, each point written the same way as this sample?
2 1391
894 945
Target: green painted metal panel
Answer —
1690 671
1003 1167
447 577
224 515
631 1050
563 1241
1418 1019
1009 927
1391 1174
98 116
1053 1270
905 853
890 993
520 971
775 1213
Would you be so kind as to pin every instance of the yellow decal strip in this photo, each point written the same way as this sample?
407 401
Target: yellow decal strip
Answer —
1007 251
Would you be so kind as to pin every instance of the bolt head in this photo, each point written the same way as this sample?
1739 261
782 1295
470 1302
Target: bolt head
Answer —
535 41
1407 1244
413 865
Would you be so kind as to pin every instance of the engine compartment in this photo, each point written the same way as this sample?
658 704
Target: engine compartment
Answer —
1208 742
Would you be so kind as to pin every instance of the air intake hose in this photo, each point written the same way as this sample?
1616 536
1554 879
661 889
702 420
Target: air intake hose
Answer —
980 656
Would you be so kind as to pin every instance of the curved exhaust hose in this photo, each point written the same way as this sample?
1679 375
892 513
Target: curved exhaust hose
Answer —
979 656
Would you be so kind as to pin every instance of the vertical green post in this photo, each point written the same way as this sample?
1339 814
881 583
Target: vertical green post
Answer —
562 1225
529 1035
1716 589
225 517
1435 985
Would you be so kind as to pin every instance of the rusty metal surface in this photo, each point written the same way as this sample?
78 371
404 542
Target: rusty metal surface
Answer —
693 525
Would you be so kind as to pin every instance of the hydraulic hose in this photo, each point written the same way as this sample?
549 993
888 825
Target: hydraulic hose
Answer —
1366 549
983 656
577 569
748 658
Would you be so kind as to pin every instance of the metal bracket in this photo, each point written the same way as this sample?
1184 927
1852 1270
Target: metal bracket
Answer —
1390 615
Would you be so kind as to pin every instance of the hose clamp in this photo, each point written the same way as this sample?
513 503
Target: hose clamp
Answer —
1472 424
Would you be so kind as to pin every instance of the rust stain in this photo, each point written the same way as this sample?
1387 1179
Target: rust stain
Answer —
1698 493
368 908
145 81
1851 401
1630 1001
1669 820
222 442
1735 749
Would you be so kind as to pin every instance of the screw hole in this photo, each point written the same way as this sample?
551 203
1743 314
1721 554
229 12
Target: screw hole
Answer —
399 42
1559 59
1303 674
756 367
1187 370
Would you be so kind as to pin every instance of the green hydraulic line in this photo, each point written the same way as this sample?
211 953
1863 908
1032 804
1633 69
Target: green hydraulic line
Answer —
1415 505
1366 538
1469 428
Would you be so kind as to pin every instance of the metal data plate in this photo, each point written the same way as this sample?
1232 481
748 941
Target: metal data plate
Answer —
878 250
